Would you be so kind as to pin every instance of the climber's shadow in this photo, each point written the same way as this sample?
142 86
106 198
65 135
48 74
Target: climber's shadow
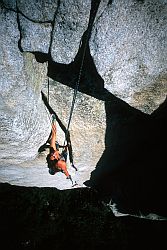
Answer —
131 170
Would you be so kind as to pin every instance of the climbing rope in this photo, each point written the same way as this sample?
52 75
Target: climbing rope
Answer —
48 89
88 32
81 66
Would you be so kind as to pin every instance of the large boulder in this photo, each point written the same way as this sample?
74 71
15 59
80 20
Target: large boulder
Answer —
129 48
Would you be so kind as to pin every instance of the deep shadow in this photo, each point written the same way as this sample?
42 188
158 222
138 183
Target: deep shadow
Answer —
132 169
46 218
90 83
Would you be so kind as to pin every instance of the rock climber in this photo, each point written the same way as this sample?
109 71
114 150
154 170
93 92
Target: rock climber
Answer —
56 161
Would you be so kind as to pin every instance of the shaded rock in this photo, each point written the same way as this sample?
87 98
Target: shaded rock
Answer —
38 10
131 173
126 45
11 4
46 218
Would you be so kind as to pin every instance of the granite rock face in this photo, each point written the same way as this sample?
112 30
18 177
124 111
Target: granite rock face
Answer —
71 22
39 10
128 42
129 48
21 106
32 33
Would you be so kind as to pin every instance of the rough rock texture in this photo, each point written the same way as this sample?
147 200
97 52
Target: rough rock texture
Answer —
10 4
87 138
70 23
33 33
38 10
21 106
129 47
67 30
128 42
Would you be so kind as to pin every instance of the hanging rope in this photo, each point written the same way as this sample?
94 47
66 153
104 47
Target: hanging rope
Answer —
93 14
95 4
48 89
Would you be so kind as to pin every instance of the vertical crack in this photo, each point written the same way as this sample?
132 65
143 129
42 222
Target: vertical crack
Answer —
53 25
19 28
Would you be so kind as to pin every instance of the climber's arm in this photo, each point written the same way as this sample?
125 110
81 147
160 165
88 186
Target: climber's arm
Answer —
53 137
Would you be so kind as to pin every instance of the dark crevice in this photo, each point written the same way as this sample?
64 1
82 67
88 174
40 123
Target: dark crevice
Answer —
19 28
53 25
132 167
41 57
110 2
32 20
141 1
90 83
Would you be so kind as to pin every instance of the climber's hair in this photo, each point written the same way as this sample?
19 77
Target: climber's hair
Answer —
51 163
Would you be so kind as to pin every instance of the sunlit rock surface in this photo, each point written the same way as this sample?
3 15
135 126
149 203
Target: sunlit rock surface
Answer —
128 42
129 48
33 33
71 22
23 116
88 123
